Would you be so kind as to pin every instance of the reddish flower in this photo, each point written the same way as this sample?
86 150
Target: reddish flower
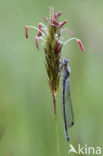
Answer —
46 19
59 13
53 28
80 45
26 31
62 23
40 32
36 41
69 31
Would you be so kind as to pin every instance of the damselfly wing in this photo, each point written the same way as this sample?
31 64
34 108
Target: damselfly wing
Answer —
68 104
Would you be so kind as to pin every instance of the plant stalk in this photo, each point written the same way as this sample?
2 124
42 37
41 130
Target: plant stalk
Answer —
56 123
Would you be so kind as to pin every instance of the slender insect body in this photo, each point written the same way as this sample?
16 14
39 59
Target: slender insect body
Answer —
67 103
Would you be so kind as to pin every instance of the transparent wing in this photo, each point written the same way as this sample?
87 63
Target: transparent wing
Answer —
68 104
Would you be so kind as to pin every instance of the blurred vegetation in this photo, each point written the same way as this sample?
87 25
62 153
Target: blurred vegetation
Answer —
27 126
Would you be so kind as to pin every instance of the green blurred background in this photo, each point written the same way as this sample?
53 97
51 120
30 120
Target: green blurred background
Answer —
27 125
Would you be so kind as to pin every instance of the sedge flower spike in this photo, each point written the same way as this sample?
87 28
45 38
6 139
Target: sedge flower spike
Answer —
52 39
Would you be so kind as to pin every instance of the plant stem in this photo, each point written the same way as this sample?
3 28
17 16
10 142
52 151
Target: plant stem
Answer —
56 123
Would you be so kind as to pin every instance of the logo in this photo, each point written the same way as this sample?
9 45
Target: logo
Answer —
85 149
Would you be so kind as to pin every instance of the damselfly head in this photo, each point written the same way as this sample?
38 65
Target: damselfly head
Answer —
65 61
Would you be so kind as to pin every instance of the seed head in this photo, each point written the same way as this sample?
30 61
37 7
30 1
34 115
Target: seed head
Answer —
52 39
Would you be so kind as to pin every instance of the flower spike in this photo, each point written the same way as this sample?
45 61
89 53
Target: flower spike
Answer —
54 28
53 42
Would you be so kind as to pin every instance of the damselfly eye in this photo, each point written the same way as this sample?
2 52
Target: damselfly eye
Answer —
65 61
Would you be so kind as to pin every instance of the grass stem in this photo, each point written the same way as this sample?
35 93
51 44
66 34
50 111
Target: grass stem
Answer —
56 123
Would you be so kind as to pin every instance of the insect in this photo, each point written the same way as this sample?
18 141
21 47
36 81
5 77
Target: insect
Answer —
66 98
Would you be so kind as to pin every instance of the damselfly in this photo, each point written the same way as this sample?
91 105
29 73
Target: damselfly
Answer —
67 103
